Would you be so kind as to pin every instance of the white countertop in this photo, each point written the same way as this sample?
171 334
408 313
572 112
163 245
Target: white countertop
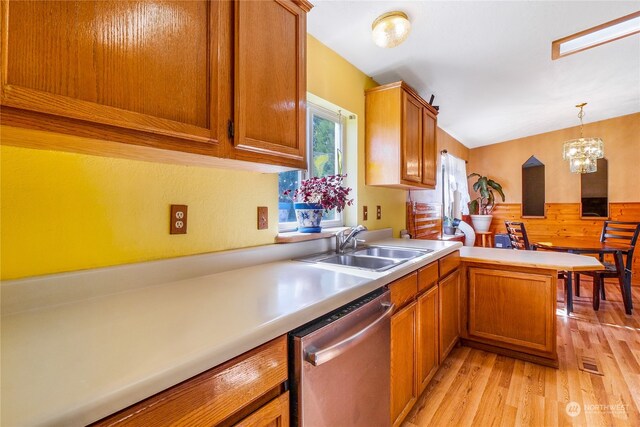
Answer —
73 363
533 259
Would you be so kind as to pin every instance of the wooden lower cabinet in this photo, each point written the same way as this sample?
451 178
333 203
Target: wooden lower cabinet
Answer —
246 390
514 310
425 323
449 309
404 387
427 337
273 414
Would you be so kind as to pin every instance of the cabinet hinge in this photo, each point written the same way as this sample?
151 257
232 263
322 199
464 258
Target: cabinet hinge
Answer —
230 129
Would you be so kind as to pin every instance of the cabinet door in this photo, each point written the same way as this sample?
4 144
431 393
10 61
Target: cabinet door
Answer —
274 414
427 337
515 309
411 146
404 387
148 66
429 148
270 82
449 303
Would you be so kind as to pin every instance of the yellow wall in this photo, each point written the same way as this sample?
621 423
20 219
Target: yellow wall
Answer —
621 135
332 78
65 211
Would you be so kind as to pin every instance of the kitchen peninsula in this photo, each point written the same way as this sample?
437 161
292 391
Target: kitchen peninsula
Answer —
116 346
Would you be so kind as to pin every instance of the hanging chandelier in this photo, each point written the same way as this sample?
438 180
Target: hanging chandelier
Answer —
583 153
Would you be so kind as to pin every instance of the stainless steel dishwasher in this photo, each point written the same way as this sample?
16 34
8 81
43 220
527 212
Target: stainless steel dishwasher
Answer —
340 366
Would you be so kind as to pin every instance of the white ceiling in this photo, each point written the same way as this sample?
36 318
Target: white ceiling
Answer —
489 62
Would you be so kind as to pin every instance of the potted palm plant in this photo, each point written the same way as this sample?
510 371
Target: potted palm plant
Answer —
481 207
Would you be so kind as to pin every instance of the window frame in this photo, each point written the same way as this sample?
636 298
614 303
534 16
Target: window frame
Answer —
336 117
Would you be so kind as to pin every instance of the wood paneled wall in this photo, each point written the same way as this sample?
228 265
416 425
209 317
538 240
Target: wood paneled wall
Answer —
563 220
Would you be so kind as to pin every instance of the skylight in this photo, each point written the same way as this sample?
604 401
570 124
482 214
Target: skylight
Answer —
601 34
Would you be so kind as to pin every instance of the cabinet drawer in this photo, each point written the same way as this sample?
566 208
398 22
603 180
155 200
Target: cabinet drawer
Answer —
211 397
404 290
427 276
449 263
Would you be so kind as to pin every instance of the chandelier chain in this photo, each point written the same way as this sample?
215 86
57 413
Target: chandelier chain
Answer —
580 116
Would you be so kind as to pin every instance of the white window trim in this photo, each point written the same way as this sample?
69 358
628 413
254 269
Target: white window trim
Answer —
336 116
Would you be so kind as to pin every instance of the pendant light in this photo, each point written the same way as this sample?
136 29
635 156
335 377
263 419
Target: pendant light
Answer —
583 153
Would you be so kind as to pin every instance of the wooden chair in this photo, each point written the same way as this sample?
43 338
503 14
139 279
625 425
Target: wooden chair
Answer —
518 235
615 232
520 241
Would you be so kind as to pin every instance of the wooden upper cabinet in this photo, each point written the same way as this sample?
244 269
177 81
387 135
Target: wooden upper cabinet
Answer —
400 135
144 66
411 145
429 148
270 82
137 76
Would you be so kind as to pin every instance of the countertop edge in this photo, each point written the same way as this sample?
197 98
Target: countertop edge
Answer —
545 260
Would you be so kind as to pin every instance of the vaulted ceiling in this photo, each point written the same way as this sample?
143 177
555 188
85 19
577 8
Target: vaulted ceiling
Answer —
489 62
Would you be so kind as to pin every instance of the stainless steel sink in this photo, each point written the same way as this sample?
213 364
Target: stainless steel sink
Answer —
365 262
373 258
386 252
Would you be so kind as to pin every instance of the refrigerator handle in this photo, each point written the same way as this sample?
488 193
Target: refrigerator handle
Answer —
324 355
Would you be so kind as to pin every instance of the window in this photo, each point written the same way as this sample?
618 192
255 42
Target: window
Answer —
533 188
594 192
325 134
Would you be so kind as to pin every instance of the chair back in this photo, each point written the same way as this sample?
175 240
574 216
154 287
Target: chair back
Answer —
518 235
622 233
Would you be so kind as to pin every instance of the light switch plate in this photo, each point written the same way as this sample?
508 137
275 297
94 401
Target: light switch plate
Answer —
378 212
365 213
263 217
178 220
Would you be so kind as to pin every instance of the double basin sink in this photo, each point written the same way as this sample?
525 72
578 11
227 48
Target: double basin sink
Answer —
373 258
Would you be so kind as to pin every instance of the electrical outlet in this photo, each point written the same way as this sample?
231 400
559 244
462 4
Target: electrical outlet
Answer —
378 212
263 217
178 220
365 213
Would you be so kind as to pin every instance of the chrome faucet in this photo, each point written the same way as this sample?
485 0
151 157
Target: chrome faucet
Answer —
345 236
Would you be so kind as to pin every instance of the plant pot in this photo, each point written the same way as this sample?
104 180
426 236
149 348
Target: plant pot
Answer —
309 216
481 223
284 208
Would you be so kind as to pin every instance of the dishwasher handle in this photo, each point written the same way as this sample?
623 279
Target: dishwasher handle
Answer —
324 355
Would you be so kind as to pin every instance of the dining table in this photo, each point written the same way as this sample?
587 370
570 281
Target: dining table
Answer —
591 246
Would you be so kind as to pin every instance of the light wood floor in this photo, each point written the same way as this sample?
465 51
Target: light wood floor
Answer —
473 387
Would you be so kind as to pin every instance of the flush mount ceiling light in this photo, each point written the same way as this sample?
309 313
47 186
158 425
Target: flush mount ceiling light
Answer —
583 153
601 34
390 29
